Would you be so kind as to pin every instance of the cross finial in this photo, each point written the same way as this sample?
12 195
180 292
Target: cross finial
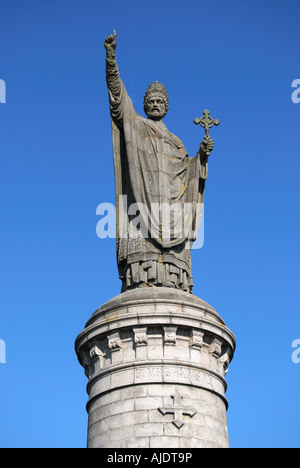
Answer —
206 121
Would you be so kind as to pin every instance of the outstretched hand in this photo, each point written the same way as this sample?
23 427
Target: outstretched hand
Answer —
111 41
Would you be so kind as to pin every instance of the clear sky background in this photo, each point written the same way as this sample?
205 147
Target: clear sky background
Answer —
238 59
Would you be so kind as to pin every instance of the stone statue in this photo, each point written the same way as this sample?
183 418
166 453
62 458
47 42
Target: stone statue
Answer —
153 170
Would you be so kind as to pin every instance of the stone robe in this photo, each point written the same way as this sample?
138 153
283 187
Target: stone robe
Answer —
152 170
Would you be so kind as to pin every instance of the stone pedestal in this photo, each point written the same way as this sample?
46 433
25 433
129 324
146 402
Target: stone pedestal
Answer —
156 359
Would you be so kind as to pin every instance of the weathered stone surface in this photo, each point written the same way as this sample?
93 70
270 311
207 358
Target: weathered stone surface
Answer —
155 356
156 360
154 171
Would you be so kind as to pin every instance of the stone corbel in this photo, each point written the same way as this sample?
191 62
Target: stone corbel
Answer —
215 348
196 339
140 336
91 358
114 342
170 336
86 363
225 360
97 357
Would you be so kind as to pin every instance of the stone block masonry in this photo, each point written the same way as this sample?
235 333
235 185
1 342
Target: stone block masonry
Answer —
155 359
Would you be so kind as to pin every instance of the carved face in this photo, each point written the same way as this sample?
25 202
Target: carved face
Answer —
155 107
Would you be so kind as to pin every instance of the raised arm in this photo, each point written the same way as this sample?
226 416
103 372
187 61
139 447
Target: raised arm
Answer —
116 88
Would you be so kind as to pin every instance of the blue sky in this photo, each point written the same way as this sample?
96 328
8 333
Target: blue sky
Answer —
237 59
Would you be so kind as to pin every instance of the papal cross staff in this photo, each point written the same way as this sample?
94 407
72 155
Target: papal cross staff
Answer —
206 122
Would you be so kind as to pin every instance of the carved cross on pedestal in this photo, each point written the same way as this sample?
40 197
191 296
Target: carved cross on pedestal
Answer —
178 411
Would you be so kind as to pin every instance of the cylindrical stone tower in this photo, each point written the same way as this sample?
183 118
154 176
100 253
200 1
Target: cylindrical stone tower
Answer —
156 359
